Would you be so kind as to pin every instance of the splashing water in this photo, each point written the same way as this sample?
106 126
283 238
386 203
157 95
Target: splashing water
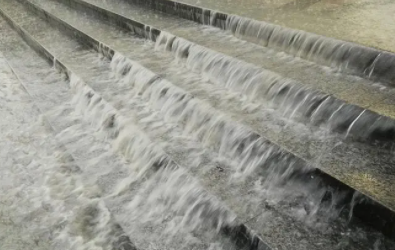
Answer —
131 157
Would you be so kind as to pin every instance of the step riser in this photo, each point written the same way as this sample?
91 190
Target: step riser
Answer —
290 98
349 57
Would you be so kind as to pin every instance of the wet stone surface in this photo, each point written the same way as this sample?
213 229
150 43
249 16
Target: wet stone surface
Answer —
175 155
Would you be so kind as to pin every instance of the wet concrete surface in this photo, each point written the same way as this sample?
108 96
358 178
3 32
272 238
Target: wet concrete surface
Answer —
367 22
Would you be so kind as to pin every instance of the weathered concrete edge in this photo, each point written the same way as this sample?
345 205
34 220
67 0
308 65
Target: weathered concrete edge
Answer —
239 232
146 31
47 55
364 61
376 209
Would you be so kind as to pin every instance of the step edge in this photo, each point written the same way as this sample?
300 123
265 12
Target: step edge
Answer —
219 19
152 33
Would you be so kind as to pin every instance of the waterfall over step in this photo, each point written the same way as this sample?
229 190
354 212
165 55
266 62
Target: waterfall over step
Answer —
162 125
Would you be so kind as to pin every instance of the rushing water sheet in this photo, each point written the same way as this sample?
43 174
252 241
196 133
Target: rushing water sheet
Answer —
149 155
80 184
209 81
368 22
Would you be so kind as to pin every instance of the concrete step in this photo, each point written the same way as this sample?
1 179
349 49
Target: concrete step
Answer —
362 99
281 157
349 57
337 163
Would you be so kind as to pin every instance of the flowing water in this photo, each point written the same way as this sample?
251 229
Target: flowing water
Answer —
69 175
158 150
286 73
369 22
205 74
